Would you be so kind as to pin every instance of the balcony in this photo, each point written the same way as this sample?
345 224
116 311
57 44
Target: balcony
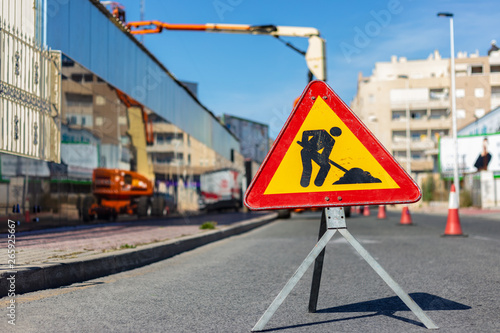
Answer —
495 101
399 143
422 104
495 79
166 146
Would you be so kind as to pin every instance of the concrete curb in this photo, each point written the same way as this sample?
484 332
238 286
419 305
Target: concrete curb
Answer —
40 277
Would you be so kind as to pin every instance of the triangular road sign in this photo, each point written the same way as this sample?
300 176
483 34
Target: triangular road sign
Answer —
325 156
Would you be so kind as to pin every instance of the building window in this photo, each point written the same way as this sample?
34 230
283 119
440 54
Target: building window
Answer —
495 68
166 158
122 120
88 77
418 135
67 62
438 113
438 94
417 155
77 77
478 113
399 153
460 93
398 115
79 100
100 100
495 91
125 140
436 134
479 92
460 114
476 69
418 114
174 138
398 136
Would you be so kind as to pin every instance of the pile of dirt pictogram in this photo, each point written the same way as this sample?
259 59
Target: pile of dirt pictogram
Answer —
357 176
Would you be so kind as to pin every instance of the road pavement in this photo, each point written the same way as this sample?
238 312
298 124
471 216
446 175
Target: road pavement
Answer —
227 285
56 257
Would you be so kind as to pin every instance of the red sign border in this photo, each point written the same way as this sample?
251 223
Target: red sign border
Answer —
255 198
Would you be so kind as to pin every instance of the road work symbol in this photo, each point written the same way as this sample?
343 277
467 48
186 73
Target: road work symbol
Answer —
317 146
324 157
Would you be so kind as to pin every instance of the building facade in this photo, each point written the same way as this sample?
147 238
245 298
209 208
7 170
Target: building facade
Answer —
415 96
108 86
253 136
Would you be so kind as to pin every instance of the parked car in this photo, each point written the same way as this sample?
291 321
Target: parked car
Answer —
163 204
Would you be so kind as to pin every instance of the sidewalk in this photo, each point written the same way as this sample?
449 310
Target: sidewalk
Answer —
441 208
56 257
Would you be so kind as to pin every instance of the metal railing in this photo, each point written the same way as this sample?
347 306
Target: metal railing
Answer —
29 96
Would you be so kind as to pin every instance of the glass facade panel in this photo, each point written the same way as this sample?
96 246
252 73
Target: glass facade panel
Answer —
87 35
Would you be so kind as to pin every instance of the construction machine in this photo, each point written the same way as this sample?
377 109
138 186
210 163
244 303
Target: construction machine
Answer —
116 191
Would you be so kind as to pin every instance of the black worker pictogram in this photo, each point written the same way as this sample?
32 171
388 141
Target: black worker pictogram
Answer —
317 145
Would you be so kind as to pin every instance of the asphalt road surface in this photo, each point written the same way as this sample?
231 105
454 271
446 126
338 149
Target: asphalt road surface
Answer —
226 286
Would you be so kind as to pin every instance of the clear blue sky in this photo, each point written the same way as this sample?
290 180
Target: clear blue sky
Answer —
258 78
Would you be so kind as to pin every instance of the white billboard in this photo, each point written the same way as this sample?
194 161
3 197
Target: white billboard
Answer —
475 153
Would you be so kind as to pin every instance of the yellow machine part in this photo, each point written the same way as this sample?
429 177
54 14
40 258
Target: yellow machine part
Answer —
137 134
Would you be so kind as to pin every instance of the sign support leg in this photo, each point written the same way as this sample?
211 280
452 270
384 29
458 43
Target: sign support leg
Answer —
334 220
318 268
388 279
293 280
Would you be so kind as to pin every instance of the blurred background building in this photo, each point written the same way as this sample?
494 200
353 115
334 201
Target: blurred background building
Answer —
421 88
107 102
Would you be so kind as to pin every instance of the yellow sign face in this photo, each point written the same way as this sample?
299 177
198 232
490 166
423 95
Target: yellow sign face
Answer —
326 156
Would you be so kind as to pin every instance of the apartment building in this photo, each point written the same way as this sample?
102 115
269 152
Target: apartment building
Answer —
415 96
179 159
176 152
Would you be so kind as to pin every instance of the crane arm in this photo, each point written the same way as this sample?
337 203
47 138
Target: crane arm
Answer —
315 55
145 27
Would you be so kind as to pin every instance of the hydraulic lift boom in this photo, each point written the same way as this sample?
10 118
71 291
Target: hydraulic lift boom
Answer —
315 55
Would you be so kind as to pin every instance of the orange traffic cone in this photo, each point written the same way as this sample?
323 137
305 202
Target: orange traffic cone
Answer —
453 224
366 211
405 217
381 212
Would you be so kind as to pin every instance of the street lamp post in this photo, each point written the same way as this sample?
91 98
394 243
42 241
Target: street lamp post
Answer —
408 134
453 105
